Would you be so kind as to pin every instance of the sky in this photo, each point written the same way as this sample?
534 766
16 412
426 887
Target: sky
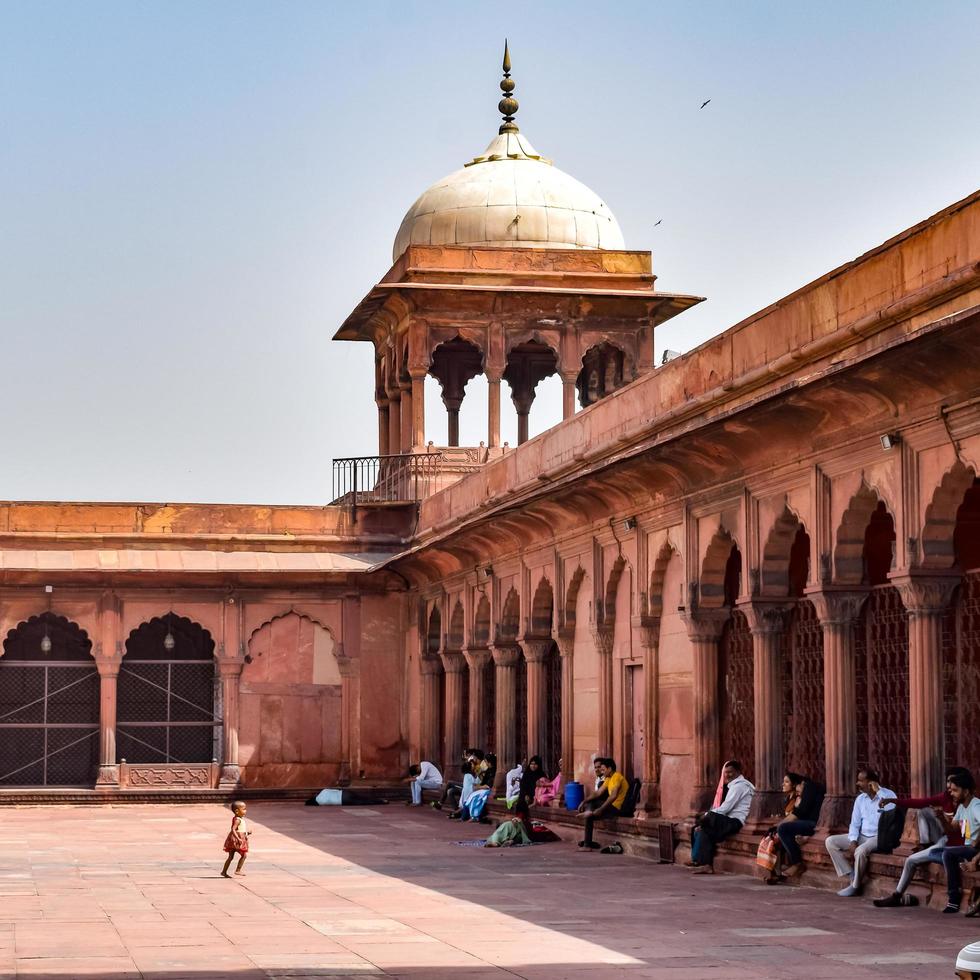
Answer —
193 196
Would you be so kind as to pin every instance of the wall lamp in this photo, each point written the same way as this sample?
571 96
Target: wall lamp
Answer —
890 440
629 524
485 574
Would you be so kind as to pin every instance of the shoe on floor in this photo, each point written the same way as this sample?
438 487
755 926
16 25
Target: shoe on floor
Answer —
893 901
704 869
793 870
849 892
951 909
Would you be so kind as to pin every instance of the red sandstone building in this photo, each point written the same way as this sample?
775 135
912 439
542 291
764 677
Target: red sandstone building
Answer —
767 548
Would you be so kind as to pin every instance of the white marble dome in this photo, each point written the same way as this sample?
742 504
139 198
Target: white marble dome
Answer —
509 196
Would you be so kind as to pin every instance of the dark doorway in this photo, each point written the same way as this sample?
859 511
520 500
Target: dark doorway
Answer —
49 705
166 705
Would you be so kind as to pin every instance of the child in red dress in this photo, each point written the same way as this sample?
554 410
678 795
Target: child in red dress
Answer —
237 840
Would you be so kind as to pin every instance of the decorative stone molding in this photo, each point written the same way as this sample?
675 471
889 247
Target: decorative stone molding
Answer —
837 607
925 595
430 665
476 658
202 775
603 637
536 650
453 662
505 654
766 617
705 624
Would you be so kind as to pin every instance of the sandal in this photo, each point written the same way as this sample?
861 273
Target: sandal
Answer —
973 911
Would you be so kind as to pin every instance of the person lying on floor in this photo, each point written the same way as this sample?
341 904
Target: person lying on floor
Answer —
604 803
722 821
343 797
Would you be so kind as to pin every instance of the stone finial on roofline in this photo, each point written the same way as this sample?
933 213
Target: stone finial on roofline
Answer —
508 105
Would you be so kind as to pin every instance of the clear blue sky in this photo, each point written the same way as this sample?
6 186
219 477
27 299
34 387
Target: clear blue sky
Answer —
194 195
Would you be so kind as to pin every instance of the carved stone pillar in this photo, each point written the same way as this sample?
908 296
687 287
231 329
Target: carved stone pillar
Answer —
566 650
477 659
568 393
650 641
454 665
418 410
768 621
231 672
429 746
493 408
108 767
536 654
408 416
838 610
383 426
505 657
603 637
926 599
704 628
394 423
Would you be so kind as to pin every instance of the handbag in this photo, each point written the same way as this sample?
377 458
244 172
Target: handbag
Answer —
768 854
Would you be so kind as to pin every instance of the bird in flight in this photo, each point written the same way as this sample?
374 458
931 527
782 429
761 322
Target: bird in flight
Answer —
657 223
706 101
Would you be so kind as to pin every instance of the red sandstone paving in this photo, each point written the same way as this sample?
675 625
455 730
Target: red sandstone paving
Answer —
134 891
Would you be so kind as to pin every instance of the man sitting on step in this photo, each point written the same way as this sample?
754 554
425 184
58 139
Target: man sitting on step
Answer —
723 821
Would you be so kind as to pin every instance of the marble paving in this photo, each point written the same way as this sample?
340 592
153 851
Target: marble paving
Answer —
134 891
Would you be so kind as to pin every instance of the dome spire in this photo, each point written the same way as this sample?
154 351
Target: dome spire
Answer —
508 105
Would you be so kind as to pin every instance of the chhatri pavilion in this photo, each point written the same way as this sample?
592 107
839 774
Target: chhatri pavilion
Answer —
767 548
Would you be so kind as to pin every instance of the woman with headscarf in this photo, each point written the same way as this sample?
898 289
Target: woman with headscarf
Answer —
533 771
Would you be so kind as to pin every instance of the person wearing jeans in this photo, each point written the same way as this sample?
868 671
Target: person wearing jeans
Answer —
862 835
722 821
423 776
801 822
932 834
967 818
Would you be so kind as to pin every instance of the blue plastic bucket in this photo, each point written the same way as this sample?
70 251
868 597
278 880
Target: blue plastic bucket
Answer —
574 794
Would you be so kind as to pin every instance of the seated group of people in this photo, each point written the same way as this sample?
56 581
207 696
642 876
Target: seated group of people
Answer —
531 772
948 825
466 799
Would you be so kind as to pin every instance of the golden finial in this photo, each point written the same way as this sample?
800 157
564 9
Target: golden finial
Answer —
508 105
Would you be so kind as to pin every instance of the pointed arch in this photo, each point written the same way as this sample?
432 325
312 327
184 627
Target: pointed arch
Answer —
433 632
191 640
786 545
655 597
850 551
542 608
612 587
510 617
722 561
571 596
456 635
481 622
938 531
293 611
68 640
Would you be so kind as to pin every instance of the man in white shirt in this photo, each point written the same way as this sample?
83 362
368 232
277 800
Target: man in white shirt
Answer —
423 776
862 835
722 821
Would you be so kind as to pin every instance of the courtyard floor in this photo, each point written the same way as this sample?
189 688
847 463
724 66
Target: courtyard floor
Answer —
134 891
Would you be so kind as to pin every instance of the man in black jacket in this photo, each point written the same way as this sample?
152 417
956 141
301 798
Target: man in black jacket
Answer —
804 820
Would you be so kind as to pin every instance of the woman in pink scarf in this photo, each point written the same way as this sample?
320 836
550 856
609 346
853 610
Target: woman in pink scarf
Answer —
548 789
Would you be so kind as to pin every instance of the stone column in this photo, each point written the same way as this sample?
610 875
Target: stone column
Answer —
454 665
704 629
566 650
429 747
383 426
505 658
536 653
418 411
477 660
603 637
231 673
838 610
650 641
394 445
926 599
408 417
568 393
768 620
108 767
493 408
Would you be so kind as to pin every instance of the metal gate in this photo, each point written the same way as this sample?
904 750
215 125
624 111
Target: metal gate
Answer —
49 722
736 681
166 711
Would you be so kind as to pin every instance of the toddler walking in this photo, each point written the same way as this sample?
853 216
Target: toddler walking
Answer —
237 840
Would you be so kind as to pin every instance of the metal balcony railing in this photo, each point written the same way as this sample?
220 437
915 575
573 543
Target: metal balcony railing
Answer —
406 478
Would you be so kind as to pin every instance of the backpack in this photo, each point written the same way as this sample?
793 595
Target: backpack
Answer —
890 826
628 808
